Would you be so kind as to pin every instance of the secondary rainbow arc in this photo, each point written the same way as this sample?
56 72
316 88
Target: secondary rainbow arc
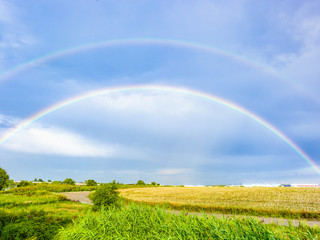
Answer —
186 91
156 41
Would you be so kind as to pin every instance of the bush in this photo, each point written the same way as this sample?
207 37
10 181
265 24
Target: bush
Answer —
24 183
105 196
140 182
91 182
69 181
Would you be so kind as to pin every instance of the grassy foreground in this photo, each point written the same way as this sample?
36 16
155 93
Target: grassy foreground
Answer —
39 214
36 215
137 221
292 203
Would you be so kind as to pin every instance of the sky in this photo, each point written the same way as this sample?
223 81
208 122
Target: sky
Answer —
178 92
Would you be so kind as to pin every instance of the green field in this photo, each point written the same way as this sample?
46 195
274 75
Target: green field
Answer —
37 214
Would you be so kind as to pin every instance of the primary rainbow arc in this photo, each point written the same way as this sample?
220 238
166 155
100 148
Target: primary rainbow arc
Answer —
195 93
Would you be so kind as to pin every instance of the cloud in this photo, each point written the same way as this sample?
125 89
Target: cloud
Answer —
51 140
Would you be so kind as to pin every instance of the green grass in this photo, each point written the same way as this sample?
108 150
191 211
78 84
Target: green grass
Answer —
50 188
36 215
137 221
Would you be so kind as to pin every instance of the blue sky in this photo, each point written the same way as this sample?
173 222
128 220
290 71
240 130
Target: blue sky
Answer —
261 55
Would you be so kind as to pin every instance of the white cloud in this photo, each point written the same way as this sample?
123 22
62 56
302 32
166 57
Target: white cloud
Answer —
51 140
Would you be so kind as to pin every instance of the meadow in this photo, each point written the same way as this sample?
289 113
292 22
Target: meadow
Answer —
293 203
34 212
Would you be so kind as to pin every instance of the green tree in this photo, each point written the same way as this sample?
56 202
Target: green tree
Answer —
140 182
91 182
24 183
69 181
56 182
11 183
4 179
153 183
106 195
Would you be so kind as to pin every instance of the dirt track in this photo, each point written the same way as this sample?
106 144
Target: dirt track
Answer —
83 198
78 196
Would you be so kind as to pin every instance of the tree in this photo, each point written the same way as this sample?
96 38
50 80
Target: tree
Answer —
106 195
140 182
4 179
69 181
24 183
91 182
56 182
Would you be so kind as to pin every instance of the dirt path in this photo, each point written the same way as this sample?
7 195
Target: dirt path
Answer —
83 198
78 196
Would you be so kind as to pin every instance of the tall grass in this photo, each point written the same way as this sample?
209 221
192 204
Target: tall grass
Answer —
145 222
50 188
36 215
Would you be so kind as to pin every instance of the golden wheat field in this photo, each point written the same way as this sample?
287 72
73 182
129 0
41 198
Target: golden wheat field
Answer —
301 202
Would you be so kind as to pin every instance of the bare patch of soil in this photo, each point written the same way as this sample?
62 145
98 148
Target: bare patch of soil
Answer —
81 197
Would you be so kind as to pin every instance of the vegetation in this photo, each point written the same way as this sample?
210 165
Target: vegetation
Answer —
36 214
50 188
91 182
144 222
140 182
69 181
4 179
258 201
33 212
105 196
24 183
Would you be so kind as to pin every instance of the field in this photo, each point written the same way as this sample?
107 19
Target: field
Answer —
256 201
36 213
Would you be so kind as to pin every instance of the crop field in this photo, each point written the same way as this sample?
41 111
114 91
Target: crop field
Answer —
257 201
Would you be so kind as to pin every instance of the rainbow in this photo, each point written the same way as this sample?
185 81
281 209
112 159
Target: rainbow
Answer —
156 41
179 90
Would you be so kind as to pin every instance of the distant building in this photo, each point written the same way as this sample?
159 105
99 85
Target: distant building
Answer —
262 185
286 185
305 185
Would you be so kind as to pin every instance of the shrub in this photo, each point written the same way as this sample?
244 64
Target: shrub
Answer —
91 182
140 182
24 183
69 181
105 196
